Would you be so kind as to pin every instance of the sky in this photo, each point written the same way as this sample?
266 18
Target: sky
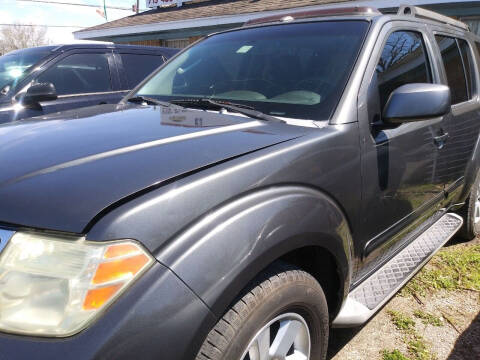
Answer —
24 12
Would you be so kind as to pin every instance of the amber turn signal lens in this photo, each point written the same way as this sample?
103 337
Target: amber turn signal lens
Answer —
121 262
95 298
118 250
119 269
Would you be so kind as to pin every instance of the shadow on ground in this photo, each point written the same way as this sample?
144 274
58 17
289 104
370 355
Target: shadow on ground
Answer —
456 240
339 338
467 346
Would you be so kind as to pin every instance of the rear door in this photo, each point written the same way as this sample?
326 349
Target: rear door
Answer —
136 65
462 125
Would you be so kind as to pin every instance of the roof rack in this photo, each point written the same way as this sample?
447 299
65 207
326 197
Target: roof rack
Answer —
287 17
418 12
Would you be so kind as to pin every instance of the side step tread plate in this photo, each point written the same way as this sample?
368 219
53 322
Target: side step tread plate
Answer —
377 289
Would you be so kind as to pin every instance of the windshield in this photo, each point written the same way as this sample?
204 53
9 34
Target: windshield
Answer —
14 65
293 71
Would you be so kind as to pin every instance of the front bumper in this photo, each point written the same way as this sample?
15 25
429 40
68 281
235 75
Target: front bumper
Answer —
159 317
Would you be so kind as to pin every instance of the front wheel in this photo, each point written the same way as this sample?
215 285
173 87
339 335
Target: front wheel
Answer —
283 315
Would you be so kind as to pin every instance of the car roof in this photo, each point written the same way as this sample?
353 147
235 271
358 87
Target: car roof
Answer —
65 47
111 46
39 48
405 13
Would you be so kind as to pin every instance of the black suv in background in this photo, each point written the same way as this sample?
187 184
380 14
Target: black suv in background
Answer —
263 185
81 75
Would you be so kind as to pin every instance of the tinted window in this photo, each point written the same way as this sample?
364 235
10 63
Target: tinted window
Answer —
79 74
138 66
15 64
292 70
468 63
453 63
403 61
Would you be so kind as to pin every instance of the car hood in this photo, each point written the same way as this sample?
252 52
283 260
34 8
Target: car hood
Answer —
59 171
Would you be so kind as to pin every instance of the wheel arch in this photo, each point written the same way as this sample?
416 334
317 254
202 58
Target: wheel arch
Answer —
308 259
222 252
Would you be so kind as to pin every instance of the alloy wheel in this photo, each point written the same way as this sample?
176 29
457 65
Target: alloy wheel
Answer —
284 338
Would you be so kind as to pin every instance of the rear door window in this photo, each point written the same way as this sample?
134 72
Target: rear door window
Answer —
138 66
467 58
404 61
79 74
454 68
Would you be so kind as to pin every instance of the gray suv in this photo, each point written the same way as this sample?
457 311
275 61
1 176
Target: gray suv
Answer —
263 185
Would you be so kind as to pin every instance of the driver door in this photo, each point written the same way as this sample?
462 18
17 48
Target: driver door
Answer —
81 78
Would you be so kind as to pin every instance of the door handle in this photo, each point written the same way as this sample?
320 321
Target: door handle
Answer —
441 140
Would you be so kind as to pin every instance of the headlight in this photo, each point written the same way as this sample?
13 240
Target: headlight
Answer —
56 286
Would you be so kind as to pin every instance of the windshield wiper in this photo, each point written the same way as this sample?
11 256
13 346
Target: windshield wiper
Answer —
209 104
148 100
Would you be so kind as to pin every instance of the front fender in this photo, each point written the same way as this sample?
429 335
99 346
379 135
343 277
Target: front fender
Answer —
220 253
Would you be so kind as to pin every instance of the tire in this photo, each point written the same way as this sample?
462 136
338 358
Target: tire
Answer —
471 211
282 293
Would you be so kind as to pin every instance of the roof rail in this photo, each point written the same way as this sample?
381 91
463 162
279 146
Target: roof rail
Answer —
419 12
287 17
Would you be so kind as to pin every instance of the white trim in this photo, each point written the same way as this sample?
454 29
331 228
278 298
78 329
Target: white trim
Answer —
240 18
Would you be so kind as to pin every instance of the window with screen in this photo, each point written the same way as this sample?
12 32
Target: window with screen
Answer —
138 66
79 74
403 61
453 63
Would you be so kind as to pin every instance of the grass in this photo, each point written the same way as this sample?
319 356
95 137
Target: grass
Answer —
415 342
427 318
393 355
401 321
456 268
419 349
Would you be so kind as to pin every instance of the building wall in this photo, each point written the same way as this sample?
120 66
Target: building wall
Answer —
157 42
474 23
172 43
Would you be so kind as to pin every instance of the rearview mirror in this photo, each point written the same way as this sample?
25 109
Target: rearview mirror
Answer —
38 93
416 102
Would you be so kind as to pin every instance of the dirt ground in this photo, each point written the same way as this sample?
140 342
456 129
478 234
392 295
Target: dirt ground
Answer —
453 334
